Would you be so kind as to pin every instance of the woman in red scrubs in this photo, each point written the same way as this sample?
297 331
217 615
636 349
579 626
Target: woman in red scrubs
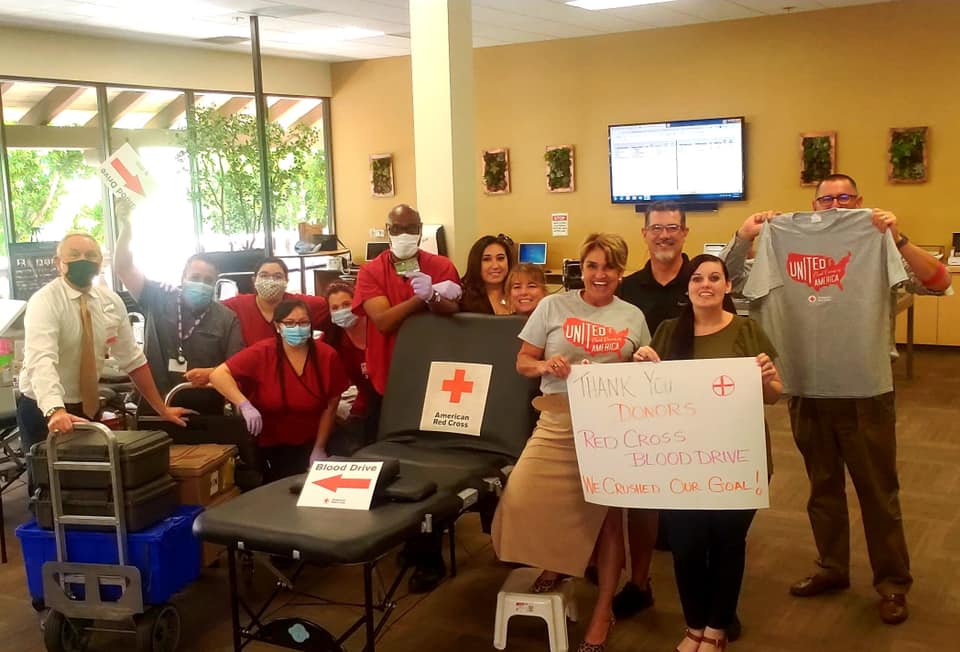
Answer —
348 337
256 311
287 389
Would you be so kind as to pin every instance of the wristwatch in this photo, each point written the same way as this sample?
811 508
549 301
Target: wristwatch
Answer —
903 240
435 298
49 413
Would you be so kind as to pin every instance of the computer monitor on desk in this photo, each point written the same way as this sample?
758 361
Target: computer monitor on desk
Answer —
534 253
375 248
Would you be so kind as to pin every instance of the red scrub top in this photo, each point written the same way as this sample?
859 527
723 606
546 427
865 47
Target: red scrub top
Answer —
255 328
295 421
378 278
355 364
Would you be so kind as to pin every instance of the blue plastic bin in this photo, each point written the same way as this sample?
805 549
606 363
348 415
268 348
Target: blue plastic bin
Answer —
167 554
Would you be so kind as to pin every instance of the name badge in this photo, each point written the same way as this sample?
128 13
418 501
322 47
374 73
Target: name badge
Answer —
409 265
177 366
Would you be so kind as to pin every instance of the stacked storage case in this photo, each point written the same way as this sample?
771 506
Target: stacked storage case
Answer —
150 492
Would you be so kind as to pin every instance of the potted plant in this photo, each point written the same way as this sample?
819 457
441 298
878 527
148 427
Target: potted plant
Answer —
559 159
907 147
496 171
818 156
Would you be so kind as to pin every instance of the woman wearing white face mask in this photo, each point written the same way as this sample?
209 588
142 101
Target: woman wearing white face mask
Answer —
349 338
255 311
287 389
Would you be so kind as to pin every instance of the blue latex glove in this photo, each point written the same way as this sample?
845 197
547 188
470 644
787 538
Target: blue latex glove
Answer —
422 285
252 417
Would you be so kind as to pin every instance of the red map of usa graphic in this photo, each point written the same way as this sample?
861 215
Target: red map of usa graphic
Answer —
594 338
817 272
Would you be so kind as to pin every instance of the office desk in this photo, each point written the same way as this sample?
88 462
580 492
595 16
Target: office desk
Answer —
304 260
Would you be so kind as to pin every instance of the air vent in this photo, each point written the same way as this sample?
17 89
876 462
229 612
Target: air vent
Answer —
224 40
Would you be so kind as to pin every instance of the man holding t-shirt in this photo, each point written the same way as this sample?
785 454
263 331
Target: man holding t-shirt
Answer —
820 281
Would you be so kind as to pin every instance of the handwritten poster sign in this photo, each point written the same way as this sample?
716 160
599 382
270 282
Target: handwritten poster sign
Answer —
685 434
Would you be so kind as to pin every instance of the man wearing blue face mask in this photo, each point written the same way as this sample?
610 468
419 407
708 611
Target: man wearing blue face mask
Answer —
187 333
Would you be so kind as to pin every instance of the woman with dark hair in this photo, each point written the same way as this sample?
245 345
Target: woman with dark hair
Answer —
287 389
255 311
348 337
709 546
488 264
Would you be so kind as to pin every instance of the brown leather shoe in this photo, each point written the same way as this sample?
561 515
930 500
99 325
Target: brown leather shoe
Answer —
893 608
817 584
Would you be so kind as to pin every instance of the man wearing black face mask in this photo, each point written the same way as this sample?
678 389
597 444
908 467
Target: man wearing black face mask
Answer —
187 334
70 326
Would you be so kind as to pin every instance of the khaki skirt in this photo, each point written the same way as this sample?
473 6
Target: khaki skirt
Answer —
542 519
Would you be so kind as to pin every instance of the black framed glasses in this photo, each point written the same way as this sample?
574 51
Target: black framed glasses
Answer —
400 229
843 199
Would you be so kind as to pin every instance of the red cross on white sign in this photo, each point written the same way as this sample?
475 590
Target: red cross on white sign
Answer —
457 386
724 386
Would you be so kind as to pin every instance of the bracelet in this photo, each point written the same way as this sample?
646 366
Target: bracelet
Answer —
937 278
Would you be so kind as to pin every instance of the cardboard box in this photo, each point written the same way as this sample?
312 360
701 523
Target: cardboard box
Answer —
211 552
202 471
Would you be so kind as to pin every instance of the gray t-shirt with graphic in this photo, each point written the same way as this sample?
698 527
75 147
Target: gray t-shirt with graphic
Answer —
565 324
820 288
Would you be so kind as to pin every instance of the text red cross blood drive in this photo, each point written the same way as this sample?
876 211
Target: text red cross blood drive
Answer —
723 386
457 386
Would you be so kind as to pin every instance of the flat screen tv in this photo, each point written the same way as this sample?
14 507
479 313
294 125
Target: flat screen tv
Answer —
687 161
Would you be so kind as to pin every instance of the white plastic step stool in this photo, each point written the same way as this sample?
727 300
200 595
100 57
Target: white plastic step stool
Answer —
555 608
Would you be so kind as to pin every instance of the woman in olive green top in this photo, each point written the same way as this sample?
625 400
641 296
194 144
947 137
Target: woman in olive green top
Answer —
709 546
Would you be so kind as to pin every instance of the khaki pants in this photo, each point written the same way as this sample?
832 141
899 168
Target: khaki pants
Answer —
861 434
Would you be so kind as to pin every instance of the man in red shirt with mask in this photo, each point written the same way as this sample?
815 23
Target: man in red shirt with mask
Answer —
400 282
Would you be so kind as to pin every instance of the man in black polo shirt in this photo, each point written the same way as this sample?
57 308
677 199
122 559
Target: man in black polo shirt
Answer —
659 289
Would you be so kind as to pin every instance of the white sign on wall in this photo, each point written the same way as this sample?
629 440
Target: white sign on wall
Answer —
456 397
126 176
560 224
685 434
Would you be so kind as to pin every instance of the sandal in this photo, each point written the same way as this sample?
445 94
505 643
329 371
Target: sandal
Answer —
597 647
693 637
719 643
546 585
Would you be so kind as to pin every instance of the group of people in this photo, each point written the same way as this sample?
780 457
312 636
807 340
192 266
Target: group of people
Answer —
262 352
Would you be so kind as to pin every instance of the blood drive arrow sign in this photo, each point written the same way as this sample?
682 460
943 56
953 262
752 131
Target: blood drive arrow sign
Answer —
340 485
126 176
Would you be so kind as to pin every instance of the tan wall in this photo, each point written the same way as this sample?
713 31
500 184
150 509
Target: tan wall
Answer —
80 57
858 71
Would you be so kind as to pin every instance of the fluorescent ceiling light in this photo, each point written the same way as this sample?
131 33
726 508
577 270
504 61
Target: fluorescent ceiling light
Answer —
594 5
334 35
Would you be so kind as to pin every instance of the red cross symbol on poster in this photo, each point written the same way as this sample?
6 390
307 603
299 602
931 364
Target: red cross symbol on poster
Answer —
457 386
723 386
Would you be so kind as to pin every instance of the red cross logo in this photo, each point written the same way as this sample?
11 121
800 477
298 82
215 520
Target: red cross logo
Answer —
723 386
457 386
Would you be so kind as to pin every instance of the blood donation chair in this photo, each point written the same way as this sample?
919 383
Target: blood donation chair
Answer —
449 473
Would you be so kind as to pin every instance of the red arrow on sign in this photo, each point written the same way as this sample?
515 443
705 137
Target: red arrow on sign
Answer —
131 180
335 482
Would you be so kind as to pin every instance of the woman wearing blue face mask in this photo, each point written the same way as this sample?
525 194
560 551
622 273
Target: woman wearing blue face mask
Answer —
349 338
287 389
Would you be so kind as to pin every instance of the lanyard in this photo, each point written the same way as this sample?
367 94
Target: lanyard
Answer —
181 337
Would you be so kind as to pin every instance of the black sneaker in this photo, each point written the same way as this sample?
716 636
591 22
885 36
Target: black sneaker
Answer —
426 577
632 600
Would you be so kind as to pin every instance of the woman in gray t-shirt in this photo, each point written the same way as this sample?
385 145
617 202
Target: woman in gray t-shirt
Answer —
543 520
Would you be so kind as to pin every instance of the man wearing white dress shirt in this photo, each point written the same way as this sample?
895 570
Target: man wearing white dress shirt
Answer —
70 325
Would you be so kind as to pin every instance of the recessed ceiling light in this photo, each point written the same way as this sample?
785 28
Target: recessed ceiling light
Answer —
594 5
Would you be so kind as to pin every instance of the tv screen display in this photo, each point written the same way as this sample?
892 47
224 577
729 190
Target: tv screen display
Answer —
689 160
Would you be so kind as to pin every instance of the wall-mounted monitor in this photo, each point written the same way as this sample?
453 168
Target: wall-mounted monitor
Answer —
688 160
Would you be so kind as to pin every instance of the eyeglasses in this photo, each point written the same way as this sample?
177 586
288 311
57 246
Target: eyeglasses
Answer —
291 324
842 199
400 229
266 276
671 229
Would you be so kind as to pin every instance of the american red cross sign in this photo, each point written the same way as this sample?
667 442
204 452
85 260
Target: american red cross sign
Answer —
458 385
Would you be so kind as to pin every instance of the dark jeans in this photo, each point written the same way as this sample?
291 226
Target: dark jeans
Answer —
709 550
33 427
278 462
